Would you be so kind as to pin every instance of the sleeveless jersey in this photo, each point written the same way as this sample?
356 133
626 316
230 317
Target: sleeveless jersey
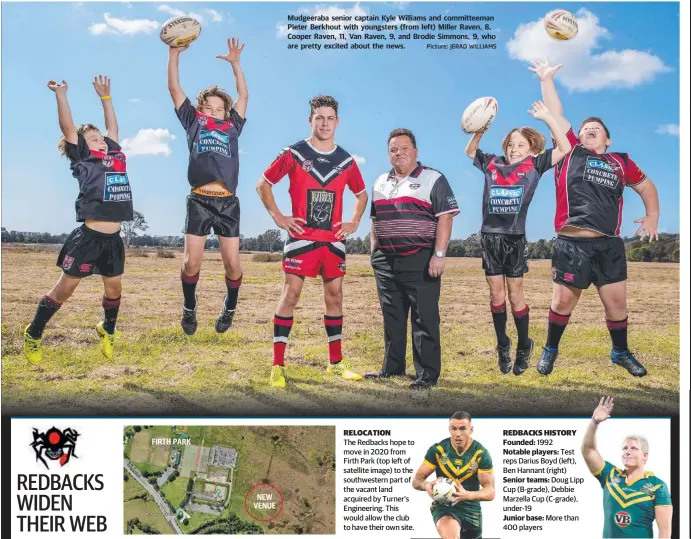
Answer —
590 188
104 188
509 189
317 182
630 507
213 146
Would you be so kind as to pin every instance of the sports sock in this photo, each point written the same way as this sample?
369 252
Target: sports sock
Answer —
618 330
522 320
282 327
47 307
499 319
334 328
233 287
555 328
189 287
110 308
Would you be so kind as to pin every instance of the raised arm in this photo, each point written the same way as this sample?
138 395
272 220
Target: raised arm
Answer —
589 450
419 479
67 126
102 87
563 146
174 75
473 144
651 201
233 56
545 71
290 224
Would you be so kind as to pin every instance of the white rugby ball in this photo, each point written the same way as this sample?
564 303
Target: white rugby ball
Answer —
479 114
443 490
180 31
561 24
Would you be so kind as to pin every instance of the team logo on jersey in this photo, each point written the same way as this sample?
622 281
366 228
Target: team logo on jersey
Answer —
67 262
616 479
108 161
320 208
202 120
337 170
494 175
415 186
474 465
444 460
520 174
622 519
322 160
648 489
307 165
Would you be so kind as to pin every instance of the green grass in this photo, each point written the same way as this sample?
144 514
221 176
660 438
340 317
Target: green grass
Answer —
158 370
145 511
176 491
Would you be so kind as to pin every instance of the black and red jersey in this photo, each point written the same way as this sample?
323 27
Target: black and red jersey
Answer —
317 182
509 189
104 188
213 145
590 188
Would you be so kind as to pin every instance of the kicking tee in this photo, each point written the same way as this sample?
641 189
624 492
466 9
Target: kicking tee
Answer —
630 507
317 182
213 146
509 189
590 188
104 188
462 467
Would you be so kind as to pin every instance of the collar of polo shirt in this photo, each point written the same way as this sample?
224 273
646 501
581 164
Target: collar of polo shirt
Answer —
414 174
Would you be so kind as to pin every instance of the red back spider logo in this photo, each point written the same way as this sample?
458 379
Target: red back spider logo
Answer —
55 444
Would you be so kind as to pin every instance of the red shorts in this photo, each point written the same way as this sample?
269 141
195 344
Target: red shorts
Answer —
312 258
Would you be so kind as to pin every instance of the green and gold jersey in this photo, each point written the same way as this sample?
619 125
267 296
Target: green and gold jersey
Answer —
462 467
630 507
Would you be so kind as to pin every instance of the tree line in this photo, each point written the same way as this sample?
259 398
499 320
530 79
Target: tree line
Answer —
666 249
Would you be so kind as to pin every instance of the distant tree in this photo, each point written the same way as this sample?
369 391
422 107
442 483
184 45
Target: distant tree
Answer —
137 428
129 228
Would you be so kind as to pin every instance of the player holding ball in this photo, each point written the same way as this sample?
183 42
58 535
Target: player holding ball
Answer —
510 183
213 127
104 201
590 186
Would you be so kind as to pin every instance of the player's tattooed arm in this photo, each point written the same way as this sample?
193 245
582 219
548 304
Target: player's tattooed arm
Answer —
651 201
290 224
563 146
174 87
102 87
69 130
233 56
474 144
419 479
663 518
592 456
485 494
545 72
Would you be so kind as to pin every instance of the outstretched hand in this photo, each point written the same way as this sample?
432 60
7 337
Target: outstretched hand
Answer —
543 69
604 409
234 51
539 110
648 228
57 88
102 85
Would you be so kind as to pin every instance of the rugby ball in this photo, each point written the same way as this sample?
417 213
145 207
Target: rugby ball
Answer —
443 490
561 24
180 31
479 114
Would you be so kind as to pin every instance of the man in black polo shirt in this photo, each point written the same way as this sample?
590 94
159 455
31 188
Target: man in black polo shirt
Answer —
412 212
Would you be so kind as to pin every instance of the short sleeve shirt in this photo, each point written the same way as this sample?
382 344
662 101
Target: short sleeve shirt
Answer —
630 507
590 188
317 182
104 188
509 190
213 146
406 211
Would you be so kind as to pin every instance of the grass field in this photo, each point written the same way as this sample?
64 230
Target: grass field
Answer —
158 370
145 510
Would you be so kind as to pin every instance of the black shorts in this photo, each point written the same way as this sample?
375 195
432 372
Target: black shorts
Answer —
578 262
504 254
88 251
220 213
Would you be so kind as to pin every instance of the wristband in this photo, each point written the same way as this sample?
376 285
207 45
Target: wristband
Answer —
104 97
